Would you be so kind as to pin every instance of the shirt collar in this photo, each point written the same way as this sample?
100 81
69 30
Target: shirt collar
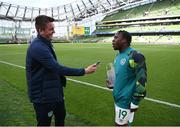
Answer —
126 50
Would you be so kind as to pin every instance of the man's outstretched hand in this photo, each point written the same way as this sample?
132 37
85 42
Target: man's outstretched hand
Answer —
91 69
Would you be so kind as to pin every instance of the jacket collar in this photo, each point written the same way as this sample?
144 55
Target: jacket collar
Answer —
44 40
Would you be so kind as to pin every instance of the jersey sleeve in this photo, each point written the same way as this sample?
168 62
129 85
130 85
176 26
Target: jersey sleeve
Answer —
137 63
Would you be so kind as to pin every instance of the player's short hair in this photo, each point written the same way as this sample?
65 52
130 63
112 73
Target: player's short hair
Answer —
126 35
41 21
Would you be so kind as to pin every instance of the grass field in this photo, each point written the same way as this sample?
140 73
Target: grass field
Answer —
88 105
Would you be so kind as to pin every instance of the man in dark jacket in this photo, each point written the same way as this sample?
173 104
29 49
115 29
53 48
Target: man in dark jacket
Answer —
46 77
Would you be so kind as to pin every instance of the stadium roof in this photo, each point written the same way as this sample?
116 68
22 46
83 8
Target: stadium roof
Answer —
39 3
74 11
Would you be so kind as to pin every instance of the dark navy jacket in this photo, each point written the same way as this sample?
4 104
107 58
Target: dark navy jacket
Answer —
45 76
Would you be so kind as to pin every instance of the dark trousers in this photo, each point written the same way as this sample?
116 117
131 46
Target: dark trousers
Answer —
44 113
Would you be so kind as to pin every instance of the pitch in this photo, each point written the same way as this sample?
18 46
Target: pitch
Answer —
88 105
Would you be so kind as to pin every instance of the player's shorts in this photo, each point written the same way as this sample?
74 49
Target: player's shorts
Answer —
123 116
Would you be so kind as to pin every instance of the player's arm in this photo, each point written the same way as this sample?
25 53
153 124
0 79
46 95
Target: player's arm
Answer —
137 62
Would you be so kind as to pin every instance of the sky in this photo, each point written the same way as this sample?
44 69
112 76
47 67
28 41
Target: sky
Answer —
39 3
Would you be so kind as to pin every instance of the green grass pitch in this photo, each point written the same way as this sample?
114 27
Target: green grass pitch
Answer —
88 105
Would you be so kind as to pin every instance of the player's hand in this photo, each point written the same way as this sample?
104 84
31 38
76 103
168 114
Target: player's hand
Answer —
90 69
133 107
108 84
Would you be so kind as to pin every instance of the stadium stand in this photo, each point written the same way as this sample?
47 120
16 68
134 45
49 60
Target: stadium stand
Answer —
82 12
17 21
159 8
157 18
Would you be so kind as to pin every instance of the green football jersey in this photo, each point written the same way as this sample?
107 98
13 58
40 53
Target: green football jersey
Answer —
131 77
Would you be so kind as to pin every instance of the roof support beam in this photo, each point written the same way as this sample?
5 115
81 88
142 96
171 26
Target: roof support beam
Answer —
72 11
45 11
32 14
24 12
39 11
1 4
8 10
84 7
118 2
93 6
52 12
17 11
58 13
102 6
79 9
65 12
109 2
84 4
123 1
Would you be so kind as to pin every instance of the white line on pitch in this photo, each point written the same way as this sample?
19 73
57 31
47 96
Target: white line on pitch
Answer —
100 87
4 62
149 99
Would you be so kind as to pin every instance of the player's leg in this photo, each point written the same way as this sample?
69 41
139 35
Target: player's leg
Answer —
131 117
59 113
121 116
44 113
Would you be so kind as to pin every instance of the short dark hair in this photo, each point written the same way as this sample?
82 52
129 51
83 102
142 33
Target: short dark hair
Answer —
126 35
41 21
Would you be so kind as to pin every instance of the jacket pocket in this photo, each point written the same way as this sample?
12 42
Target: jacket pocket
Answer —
51 90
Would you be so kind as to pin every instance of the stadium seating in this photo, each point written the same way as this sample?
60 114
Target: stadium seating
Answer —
141 18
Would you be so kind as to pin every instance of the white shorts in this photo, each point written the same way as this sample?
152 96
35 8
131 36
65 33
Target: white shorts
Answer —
123 116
